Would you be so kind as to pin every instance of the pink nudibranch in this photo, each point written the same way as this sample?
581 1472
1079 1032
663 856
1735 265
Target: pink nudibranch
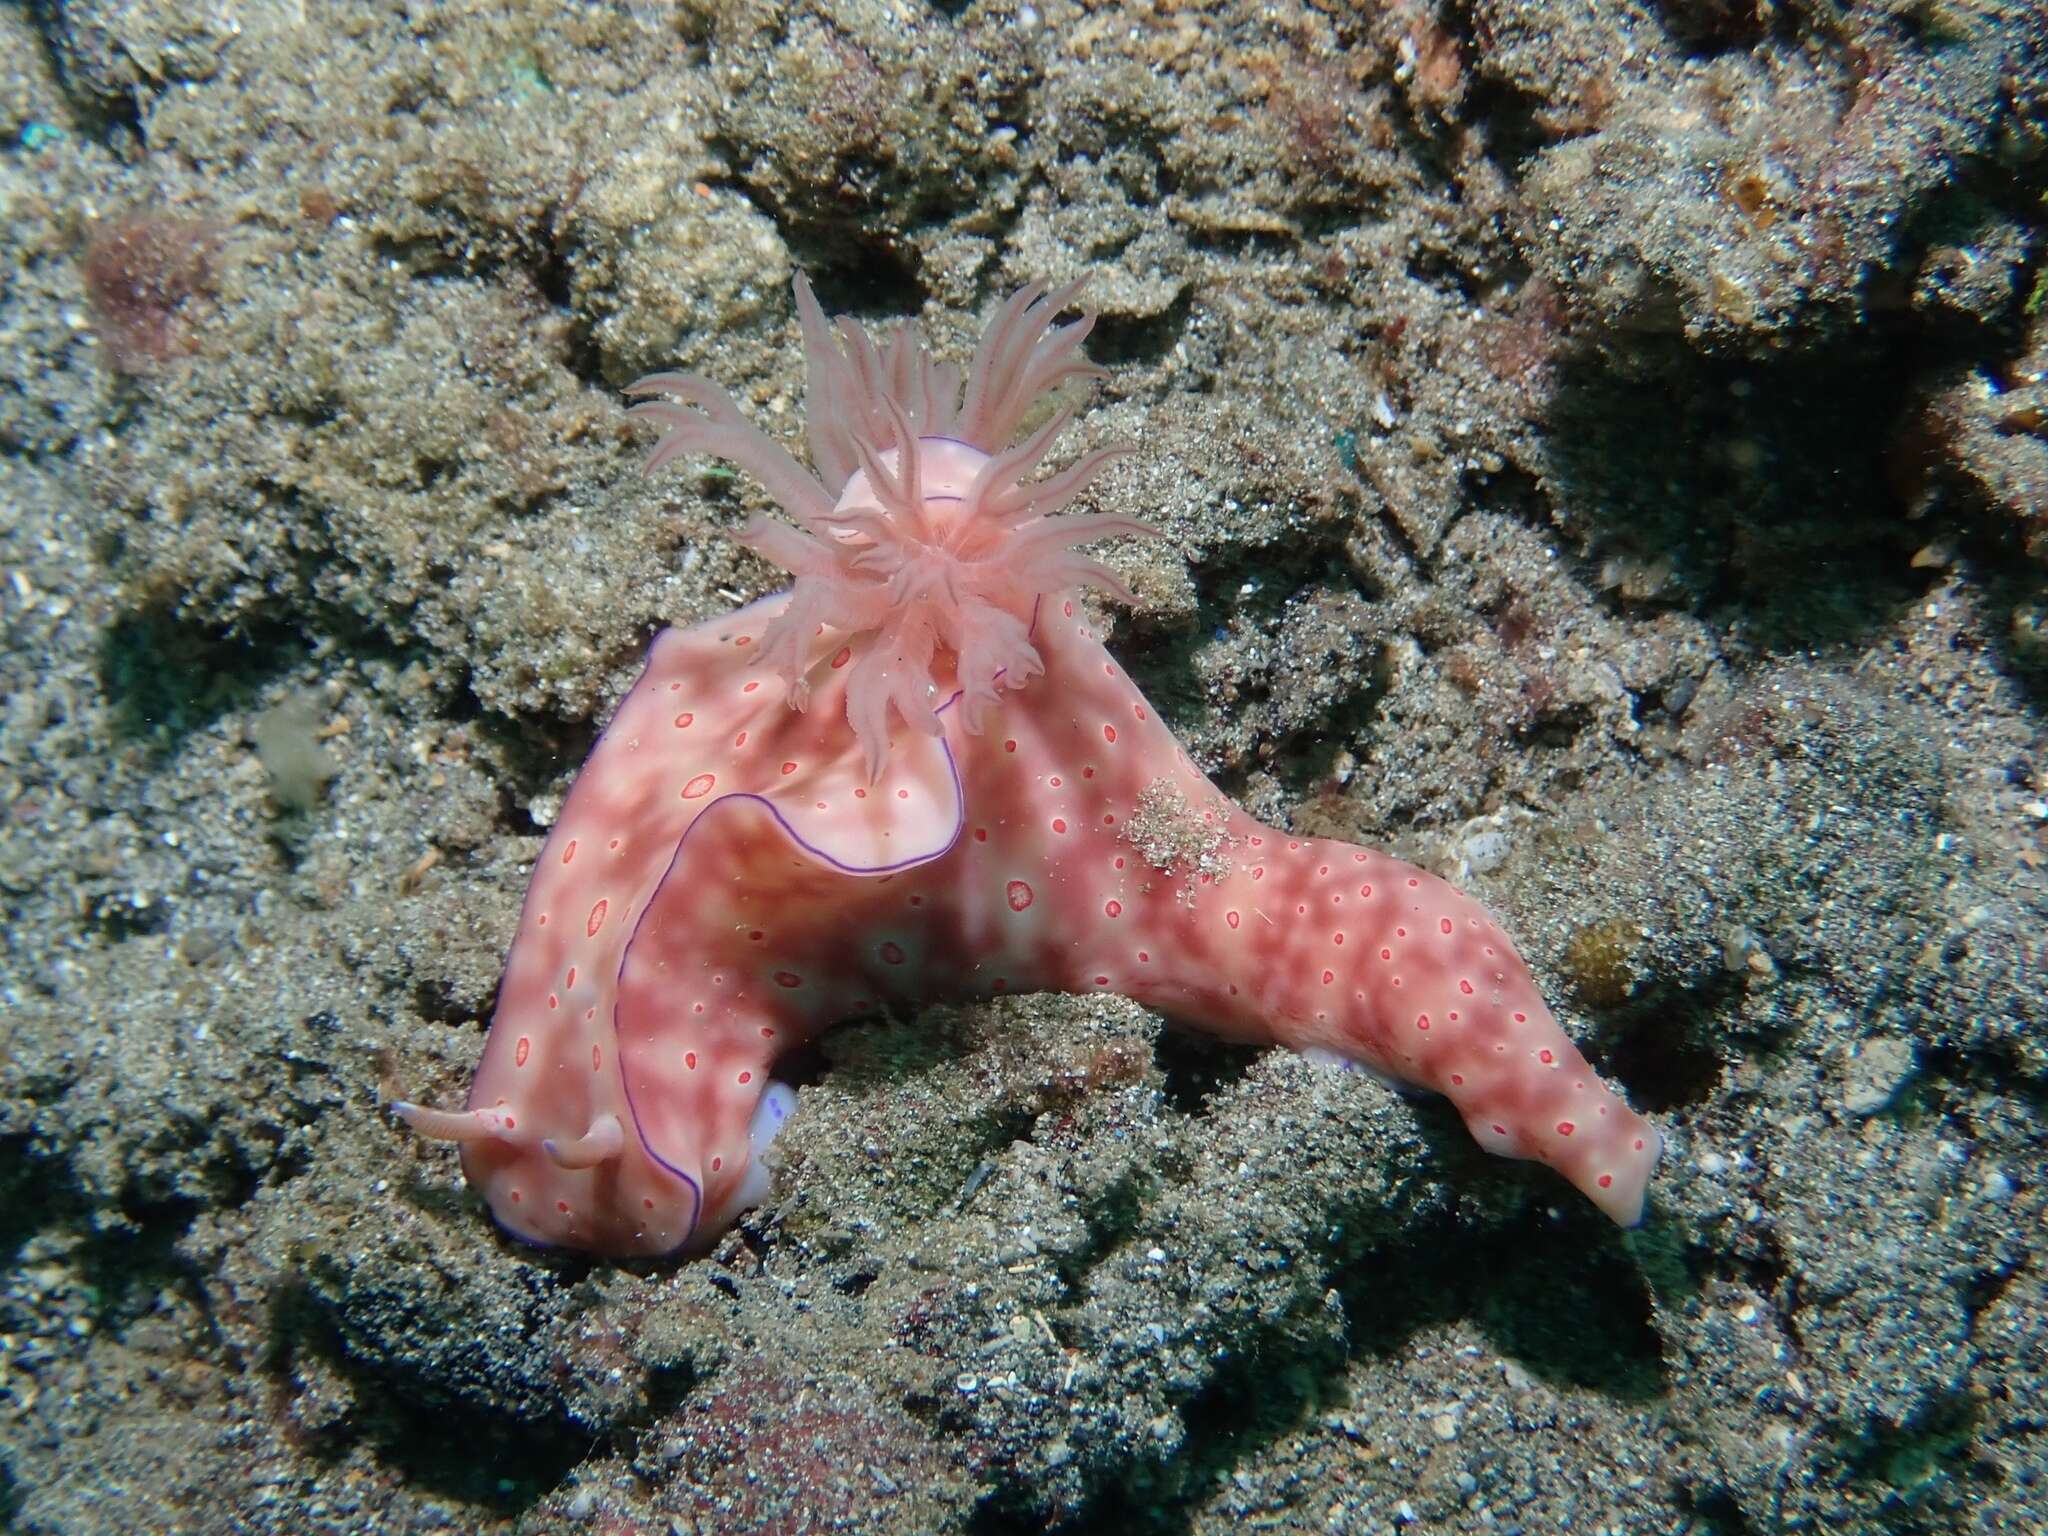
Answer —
954 792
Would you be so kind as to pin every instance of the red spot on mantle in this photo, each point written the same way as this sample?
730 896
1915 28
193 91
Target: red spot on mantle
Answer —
699 787
1020 895
597 917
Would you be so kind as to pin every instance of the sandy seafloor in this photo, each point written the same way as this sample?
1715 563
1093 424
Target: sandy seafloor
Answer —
1604 453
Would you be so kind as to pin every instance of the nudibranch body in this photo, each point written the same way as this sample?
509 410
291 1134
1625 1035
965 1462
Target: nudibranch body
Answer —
918 776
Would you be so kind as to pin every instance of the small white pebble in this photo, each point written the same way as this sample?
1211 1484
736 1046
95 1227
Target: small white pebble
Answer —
1485 851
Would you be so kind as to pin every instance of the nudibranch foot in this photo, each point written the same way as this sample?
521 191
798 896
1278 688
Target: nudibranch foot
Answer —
770 1116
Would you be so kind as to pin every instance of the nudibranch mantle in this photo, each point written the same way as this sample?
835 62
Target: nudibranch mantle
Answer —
953 792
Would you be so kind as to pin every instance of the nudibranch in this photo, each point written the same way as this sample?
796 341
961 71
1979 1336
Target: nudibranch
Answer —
917 775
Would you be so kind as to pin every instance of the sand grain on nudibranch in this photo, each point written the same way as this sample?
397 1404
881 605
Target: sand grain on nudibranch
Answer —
708 898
